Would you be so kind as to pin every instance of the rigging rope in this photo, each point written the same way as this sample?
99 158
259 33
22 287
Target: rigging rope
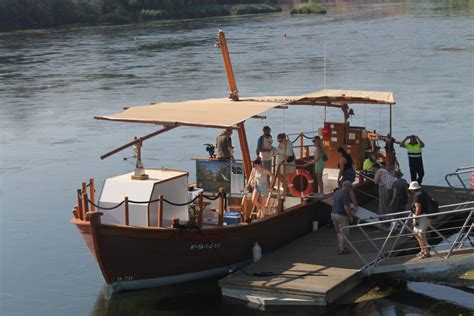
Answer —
164 200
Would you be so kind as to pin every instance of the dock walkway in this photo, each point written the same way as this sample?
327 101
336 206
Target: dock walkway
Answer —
308 271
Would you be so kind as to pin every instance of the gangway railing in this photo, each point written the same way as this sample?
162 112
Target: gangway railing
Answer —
464 183
377 244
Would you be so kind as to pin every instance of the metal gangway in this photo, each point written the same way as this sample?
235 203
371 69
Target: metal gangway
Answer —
461 183
387 243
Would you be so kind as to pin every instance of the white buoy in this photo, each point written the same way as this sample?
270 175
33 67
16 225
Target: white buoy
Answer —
257 252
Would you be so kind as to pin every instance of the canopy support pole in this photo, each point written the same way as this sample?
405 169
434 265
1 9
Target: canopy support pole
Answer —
135 141
391 120
245 149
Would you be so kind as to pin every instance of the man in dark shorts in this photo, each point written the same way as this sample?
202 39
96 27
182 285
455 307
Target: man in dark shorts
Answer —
420 225
341 215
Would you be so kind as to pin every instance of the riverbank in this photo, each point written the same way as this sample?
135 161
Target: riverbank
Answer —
30 14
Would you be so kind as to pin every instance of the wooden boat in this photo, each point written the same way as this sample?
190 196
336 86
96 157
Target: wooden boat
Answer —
149 228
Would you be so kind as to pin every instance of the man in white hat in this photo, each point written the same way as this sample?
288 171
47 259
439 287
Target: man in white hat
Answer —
420 225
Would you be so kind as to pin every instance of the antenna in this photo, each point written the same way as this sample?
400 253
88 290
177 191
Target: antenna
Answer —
324 71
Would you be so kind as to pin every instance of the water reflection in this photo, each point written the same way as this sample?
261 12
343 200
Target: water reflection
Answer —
53 81
204 298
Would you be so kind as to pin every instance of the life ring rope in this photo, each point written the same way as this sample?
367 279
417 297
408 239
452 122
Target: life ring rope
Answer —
291 183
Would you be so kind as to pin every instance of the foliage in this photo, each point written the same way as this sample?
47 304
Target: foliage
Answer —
147 15
240 9
114 18
309 8
28 14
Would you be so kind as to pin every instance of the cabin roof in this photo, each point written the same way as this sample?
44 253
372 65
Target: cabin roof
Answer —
326 96
219 113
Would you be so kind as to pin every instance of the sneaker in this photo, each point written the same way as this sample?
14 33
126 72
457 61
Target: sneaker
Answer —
321 195
425 255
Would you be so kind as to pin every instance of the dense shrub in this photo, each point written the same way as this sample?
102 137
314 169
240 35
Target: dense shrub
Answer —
27 14
114 18
147 15
202 11
309 8
240 9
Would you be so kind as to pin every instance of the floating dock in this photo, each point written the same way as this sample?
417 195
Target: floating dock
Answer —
308 271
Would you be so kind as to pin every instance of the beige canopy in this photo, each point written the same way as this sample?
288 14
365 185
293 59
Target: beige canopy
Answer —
208 113
346 96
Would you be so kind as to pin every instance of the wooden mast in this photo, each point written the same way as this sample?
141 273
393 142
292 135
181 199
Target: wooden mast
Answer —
234 95
222 44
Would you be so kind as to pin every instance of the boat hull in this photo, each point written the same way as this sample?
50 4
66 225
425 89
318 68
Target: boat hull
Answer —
136 257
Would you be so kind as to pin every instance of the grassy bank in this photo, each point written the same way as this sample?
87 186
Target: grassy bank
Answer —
31 14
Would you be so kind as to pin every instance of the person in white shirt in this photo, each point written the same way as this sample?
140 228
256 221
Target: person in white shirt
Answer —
264 148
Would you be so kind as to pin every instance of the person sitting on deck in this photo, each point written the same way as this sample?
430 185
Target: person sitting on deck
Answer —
420 206
224 145
368 166
258 181
341 215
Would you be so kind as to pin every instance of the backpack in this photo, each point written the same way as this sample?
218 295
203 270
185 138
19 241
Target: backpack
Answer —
432 204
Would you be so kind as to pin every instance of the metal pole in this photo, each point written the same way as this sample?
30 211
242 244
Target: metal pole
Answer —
459 235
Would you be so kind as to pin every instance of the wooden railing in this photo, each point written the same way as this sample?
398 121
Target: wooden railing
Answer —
86 204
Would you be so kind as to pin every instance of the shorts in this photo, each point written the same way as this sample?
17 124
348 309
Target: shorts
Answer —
339 222
319 166
267 164
422 225
262 188
348 175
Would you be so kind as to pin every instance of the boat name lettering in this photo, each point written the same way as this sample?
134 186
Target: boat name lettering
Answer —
205 246
125 278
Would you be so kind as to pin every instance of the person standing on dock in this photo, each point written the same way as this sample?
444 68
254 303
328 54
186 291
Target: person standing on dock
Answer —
346 172
224 145
385 180
264 148
319 155
414 146
399 202
420 206
341 215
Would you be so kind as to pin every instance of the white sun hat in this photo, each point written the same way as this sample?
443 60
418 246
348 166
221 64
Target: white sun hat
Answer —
414 185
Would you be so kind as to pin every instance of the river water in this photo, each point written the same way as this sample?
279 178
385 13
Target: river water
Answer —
52 82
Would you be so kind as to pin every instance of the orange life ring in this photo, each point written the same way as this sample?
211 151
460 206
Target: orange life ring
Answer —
305 174
472 180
